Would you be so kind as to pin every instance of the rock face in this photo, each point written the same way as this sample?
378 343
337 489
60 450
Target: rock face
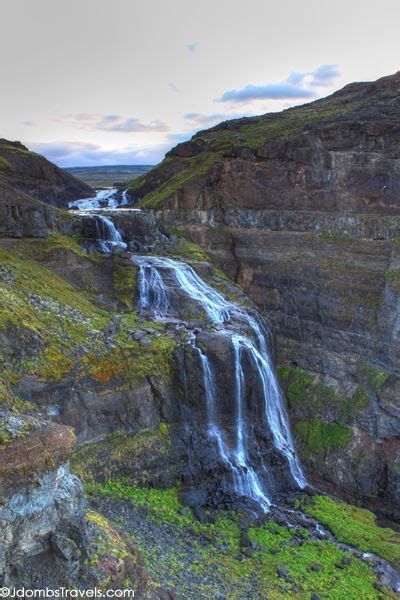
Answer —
21 215
48 537
301 208
37 177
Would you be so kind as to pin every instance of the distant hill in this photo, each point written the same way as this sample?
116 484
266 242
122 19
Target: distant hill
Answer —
105 176
34 175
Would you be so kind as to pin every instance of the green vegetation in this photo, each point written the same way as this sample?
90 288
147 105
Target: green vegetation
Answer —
194 167
371 376
125 282
320 436
356 526
132 361
60 326
201 559
317 399
4 164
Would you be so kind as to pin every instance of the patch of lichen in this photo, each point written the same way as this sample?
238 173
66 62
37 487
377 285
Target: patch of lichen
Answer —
203 559
355 526
319 436
125 278
106 550
120 452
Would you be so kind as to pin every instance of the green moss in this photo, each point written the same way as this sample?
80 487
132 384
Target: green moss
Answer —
210 553
190 251
371 376
125 277
357 527
320 436
4 164
133 361
5 435
53 365
317 399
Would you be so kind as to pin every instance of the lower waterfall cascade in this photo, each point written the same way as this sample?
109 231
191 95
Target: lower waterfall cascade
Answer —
156 279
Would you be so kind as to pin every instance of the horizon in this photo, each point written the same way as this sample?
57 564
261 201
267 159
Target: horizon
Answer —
104 88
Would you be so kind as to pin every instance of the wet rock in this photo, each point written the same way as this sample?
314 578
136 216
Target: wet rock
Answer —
317 567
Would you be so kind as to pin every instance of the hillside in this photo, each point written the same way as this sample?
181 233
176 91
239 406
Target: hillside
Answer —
37 177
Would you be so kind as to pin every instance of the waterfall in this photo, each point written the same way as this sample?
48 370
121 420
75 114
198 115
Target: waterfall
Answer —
156 274
246 481
107 235
102 199
124 198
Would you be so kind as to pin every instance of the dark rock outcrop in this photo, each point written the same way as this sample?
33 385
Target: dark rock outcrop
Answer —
37 177
23 216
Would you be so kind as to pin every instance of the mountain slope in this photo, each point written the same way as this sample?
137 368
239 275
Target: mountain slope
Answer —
34 175
366 112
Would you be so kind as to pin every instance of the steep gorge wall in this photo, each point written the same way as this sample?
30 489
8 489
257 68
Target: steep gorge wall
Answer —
306 220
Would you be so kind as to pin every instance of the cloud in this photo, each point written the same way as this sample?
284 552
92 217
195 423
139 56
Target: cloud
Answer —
297 86
325 75
72 154
192 47
95 121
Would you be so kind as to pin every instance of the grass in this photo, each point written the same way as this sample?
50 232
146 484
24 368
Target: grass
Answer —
357 527
205 558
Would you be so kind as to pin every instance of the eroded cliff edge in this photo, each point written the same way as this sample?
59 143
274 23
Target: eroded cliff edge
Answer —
301 208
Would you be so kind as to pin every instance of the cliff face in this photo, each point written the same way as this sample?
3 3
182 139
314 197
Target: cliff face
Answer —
301 208
37 177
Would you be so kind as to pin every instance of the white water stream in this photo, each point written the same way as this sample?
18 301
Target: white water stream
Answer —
154 275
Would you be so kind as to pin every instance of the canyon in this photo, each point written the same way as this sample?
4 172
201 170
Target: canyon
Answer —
139 335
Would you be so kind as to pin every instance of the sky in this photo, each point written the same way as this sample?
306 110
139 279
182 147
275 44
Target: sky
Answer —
92 82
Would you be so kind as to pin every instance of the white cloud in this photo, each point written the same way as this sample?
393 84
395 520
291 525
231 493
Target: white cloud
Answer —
297 86
100 122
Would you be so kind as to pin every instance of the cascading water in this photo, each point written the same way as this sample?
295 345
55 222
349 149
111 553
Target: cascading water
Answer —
111 237
156 277
246 481
103 199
